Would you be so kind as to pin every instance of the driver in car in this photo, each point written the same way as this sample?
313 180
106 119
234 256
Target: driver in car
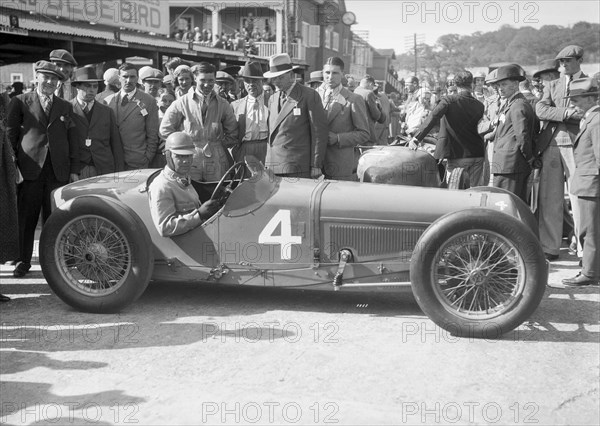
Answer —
174 203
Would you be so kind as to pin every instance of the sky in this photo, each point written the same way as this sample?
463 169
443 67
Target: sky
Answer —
392 23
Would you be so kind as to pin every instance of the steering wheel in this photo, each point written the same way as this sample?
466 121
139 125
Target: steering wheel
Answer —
222 192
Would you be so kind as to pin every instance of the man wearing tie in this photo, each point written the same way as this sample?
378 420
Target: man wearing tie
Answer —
298 133
137 119
100 146
585 183
42 134
346 120
252 115
556 141
65 63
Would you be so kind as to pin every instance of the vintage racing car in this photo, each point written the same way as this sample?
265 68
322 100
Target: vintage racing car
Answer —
472 257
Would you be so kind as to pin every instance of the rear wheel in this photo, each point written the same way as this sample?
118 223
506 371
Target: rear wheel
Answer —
478 273
96 254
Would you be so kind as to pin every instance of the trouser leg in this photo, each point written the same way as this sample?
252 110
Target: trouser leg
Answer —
589 235
551 200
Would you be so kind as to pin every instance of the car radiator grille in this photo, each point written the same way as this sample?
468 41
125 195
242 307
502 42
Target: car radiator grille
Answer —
367 241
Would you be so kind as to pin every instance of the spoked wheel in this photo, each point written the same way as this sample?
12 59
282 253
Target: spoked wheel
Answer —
478 273
96 254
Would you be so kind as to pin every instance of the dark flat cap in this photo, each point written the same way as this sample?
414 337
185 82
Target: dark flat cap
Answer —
546 65
571 51
49 68
63 55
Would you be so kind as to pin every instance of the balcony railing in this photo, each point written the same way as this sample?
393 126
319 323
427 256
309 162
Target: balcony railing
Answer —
266 49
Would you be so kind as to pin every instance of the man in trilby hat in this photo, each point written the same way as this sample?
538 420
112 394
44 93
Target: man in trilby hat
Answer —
41 130
585 183
252 115
298 133
100 148
555 146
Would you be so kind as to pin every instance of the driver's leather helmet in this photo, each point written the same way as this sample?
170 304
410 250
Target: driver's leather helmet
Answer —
180 143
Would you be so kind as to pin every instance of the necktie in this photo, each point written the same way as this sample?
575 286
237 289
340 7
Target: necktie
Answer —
47 104
329 98
569 79
204 108
125 100
282 99
85 108
61 91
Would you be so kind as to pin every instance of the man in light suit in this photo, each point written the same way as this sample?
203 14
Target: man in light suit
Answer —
346 120
585 184
298 133
41 131
375 112
137 119
252 115
100 149
513 140
556 143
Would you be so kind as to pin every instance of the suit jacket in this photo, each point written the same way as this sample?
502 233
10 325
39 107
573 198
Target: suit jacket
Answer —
458 137
105 151
513 142
586 179
552 108
138 131
33 136
239 110
374 111
347 118
298 134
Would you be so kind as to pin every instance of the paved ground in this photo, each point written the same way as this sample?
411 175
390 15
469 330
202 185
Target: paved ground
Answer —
186 354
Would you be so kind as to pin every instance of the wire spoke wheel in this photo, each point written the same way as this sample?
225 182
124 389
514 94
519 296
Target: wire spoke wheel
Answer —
93 254
478 274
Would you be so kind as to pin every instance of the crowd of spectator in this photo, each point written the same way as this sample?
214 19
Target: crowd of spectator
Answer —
501 128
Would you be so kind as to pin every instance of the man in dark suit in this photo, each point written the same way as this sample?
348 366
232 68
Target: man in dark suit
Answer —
298 132
585 184
555 146
100 146
41 130
513 140
66 63
137 119
458 139
346 121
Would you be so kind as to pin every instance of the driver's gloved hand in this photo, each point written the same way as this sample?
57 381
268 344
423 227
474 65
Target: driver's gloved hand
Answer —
208 209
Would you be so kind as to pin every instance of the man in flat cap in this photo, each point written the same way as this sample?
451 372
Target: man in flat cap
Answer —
555 146
100 148
209 120
152 79
298 133
585 183
111 84
66 63
513 138
41 131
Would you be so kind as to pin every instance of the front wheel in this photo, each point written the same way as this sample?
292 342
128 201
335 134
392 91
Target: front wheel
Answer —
96 254
478 273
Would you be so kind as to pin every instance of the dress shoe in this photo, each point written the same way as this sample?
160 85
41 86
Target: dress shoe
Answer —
550 257
4 298
21 269
580 280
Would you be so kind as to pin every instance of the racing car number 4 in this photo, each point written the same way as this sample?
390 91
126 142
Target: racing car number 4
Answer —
285 238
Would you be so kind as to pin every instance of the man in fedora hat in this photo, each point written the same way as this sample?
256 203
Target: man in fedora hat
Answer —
252 115
298 133
585 183
41 131
316 79
100 148
346 121
224 84
66 63
547 71
513 139
555 147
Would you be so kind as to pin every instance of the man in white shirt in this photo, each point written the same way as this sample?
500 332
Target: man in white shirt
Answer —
252 115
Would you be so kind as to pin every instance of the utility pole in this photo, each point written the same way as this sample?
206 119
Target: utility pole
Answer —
415 41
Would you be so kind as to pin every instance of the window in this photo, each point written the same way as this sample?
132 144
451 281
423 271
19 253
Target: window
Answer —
327 38
305 33
16 76
336 42
314 36
185 22
347 46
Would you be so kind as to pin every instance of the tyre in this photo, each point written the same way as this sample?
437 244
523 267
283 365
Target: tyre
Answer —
96 254
478 273
459 179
